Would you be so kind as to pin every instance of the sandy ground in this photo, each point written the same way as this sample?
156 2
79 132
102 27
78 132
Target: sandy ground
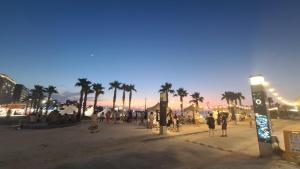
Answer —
132 146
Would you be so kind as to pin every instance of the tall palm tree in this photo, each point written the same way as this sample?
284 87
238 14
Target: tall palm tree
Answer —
124 87
87 90
240 97
114 85
50 90
82 82
181 92
131 88
230 97
38 96
27 100
196 98
227 96
99 89
167 88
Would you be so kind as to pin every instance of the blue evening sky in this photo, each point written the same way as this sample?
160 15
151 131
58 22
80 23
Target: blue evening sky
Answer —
206 46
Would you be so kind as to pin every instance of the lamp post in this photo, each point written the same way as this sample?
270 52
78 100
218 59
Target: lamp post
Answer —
262 117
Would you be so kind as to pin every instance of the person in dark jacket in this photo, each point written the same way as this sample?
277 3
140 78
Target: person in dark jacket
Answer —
211 125
224 126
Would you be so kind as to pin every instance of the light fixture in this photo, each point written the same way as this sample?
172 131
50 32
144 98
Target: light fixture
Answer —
256 80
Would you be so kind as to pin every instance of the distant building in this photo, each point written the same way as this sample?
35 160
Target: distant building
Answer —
7 86
20 92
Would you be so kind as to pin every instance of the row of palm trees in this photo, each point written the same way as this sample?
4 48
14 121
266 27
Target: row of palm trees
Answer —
87 87
232 98
37 95
181 93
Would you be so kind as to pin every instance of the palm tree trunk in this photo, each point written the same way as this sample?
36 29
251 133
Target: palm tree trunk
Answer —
48 103
130 96
80 104
181 104
95 101
84 103
114 99
25 112
123 99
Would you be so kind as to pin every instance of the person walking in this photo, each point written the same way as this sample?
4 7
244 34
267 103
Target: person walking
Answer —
94 123
107 117
151 119
224 126
102 117
211 125
176 122
250 120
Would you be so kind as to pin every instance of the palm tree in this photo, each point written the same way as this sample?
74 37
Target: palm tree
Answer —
230 97
82 82
27 100
167 88
50 90
87 90
114 85
124 87
227 96
181 93
99 89
196 98
131 88
240 97
38 93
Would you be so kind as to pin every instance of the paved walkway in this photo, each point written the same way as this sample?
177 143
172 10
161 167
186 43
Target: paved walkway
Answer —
65 147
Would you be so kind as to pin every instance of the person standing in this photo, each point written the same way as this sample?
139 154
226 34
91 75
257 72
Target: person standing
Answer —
211 124
224 126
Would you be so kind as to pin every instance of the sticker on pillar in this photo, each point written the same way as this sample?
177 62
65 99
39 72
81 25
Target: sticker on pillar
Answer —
263 130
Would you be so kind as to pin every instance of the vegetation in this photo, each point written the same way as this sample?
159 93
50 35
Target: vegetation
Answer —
131 88
125 89
87 90
99 89
49 90
196 98
232 98
167 88
181 92
83 82
115 85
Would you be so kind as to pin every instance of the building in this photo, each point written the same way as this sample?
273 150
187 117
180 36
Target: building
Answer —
7 86
20 92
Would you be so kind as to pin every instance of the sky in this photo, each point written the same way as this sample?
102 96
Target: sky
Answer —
205 46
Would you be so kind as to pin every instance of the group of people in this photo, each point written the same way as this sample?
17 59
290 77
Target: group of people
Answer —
172 120
222 120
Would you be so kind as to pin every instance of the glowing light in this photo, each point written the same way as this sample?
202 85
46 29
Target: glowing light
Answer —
275 94
257 80
271 90
266 83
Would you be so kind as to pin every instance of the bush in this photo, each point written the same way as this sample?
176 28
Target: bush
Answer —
54 117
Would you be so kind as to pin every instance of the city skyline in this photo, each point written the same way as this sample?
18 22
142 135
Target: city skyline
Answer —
202 46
